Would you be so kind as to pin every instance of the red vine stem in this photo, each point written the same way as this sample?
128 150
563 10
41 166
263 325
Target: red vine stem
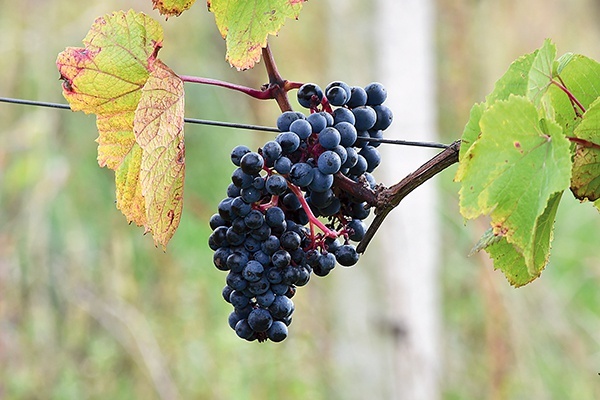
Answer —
311 217
569 94
257 94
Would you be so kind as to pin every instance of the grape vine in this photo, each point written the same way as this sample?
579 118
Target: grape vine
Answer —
296 205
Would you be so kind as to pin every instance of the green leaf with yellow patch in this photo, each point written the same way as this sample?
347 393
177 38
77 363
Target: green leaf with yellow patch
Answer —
172 8
109 77
585 182
245 25
512 261
511 172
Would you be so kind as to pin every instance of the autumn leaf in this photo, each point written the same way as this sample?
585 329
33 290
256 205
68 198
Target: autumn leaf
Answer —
172 8
245 25
158 127
110 77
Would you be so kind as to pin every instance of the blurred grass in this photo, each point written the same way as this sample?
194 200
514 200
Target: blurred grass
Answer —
90 309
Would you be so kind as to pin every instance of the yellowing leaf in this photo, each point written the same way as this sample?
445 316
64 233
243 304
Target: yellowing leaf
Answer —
585 182
109 77
511 172
172 8
246 24
158 128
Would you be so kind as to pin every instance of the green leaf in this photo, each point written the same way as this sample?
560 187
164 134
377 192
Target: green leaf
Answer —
514 81
581 76
585 182
158 127
172 8
510 173
561 63
109 77
512 261
540 75
472 130
245 25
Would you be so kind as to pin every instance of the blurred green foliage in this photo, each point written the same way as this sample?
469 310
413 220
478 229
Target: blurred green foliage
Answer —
89 309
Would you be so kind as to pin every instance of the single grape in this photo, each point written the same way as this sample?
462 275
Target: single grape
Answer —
282 307
236 281
276 185
343 115
384 117
302 128
277 332
216 220
289 142
376 94
357 230
243 330
301 174
237 153
254 219
251 163
371 156
317 121
360 167
358 97
351 158
321 182
337 96
329 138
281 259
347 133
241 179
253 271
329 162
342 153
347 89
309 95
271 151
274 217
290 240
260 320
283 165
346 255
238 299
265 299
285 120
365 118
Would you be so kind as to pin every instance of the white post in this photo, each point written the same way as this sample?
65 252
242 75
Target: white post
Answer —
409 237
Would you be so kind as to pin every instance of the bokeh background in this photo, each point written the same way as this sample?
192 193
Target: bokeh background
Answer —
90 309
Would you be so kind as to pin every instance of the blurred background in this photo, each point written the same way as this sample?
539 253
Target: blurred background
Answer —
90 309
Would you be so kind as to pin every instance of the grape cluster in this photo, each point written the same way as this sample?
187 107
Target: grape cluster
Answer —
267 234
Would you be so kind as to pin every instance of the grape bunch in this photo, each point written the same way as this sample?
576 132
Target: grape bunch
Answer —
267 233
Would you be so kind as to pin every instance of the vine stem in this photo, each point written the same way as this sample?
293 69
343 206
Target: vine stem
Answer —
389 198
277 85
569 94
255 93
314 221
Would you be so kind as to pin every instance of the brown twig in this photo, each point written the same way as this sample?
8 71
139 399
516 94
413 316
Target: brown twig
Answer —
389 198
276 82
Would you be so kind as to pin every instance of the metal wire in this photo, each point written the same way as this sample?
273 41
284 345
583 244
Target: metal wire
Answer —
228 124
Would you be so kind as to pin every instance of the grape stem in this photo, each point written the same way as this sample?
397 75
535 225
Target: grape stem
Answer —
389 198
571 96
311 217
255 93
277 85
